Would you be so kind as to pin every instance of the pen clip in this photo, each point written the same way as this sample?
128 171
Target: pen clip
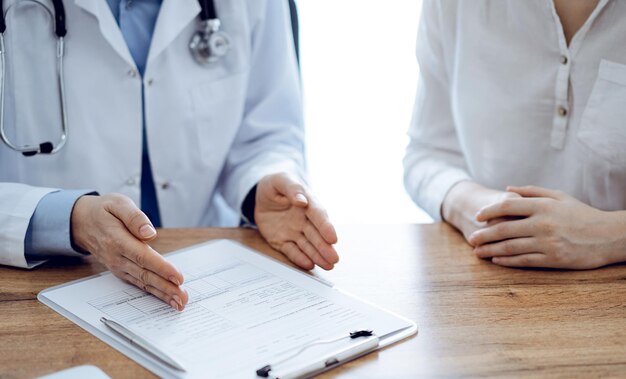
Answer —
264 371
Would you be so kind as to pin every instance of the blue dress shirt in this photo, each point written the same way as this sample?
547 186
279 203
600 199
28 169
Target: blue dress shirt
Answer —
137 19
49 229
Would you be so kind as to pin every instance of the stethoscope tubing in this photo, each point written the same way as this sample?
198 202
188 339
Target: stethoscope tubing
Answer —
60 32
207 46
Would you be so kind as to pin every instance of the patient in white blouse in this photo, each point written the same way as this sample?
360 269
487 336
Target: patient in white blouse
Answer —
518 137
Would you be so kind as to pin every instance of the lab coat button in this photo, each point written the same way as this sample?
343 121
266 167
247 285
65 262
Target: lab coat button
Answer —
564 59
165 185
131 182
132 73
562 111
150 82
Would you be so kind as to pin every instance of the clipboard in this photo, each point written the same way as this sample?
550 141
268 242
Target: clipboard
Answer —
257 306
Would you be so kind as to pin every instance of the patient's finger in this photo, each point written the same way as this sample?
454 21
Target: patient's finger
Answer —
523 260
514 246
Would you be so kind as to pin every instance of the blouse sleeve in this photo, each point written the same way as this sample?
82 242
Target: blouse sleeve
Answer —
434 161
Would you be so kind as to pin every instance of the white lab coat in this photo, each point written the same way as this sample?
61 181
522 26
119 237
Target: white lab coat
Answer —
213 133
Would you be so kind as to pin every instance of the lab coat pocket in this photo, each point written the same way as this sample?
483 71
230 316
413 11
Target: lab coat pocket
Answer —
603 123
218 108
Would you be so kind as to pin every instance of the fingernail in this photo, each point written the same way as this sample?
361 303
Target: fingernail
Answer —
178 300
147 231
173 304
174 280
302 198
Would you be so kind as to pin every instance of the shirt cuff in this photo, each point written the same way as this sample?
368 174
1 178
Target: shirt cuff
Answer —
247 209
429 193
49 230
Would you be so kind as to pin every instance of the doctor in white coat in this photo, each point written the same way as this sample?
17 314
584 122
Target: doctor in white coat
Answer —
218 137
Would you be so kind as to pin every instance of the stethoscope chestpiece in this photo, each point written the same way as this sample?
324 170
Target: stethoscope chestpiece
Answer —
208 45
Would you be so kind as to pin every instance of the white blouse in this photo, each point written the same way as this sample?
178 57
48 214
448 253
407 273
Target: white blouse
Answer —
503 100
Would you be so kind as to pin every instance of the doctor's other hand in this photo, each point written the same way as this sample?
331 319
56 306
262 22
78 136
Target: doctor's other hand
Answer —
115 231
294 223
556 231
464 200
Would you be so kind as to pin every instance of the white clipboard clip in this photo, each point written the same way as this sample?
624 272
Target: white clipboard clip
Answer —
370 342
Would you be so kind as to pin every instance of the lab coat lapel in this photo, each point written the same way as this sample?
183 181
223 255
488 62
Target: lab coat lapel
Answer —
175 15
108 26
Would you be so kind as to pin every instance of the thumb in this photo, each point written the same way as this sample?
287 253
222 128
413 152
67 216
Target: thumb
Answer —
291 189
133 218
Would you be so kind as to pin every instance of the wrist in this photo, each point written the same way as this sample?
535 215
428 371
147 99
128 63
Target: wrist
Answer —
77 221
616 237
459 206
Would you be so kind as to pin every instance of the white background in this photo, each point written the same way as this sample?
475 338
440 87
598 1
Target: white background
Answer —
359 74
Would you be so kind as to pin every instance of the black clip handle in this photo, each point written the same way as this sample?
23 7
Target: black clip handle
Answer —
361 333
264 371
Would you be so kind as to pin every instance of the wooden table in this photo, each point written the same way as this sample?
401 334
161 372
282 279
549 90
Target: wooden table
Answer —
474 318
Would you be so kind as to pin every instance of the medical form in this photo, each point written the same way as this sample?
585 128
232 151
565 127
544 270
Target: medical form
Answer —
245 311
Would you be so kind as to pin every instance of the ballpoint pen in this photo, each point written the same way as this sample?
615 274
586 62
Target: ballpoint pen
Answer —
142 343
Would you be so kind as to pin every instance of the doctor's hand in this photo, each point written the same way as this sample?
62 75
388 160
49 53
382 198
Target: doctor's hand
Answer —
464 200
550 229
115 231
294 223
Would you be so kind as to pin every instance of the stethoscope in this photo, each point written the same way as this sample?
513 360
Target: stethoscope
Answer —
207 46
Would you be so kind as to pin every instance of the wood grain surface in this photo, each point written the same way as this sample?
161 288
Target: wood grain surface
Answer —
475 319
